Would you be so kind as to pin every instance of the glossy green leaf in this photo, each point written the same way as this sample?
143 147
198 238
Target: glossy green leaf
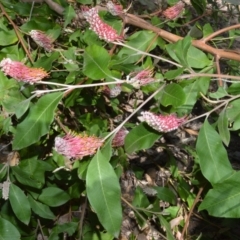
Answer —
167 227
213 158
53 196
104 194
223 199
20 204
40 209
68 15
141 137
37 122
22 107
223 127
8 231
173 95
96 60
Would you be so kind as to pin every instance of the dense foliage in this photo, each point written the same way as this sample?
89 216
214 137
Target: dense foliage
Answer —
115 113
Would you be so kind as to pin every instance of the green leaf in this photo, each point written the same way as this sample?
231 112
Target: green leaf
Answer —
213 157
167 227
104 194
8 231
20 204
38 121
223 199
165 194
197 59
40 209
53 196
172 74
233 114
173 94
96 60
223 127
140 40
68 15
141 137
8 37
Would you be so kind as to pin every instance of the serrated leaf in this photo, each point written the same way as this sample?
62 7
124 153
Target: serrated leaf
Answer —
213 157
37 122
41 209
173 94
53 196
8 231
96 60
223 199
104 194
139 138
223 127
68 15
20 204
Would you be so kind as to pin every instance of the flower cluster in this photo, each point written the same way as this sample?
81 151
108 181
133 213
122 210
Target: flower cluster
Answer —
114 9
112 92
119 138
141 78
20 72
5 189
103 30
77 146
162 123
174 11
42 40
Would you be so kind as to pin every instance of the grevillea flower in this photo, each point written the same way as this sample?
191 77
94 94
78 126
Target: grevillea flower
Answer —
119 138
5 189
42 39
103 30
141 78
162 123
112 92
20 72
77 146
174 11
114 9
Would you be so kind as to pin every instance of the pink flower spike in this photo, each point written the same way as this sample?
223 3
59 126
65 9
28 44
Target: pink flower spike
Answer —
103 30
142 78
114 9
22 73
42 39
174 11
119 138
162 123
77 146
112 92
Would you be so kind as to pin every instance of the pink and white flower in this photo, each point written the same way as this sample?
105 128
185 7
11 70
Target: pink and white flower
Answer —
174 11
141 78
112 92
114 9
42 39
77 146
119 138
162 123
103 30
22 73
